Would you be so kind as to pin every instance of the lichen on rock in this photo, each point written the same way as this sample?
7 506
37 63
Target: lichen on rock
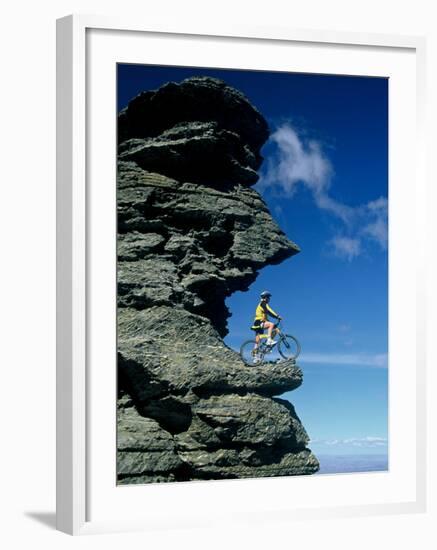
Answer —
192 231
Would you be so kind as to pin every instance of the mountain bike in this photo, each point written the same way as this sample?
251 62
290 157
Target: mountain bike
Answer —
286 346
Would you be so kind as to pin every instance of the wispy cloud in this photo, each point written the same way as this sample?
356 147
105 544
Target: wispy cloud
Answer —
363 442
297 162
346 247
379 360
376 228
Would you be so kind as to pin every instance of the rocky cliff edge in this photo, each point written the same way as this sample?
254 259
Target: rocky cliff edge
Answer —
191 231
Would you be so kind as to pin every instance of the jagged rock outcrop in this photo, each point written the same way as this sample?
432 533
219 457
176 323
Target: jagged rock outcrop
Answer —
191 231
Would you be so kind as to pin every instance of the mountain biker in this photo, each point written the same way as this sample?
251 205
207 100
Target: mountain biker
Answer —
261 322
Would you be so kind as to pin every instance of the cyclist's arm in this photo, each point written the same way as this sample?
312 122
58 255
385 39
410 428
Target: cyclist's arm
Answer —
272 313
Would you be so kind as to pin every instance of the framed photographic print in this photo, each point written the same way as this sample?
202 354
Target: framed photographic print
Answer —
238 327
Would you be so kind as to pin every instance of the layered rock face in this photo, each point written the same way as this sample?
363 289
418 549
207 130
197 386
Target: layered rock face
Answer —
191 231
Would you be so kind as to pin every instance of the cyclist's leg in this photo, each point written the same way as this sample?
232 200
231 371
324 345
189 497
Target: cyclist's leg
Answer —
257 327
269 326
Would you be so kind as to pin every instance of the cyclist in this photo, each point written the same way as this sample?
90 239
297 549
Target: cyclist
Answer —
261 322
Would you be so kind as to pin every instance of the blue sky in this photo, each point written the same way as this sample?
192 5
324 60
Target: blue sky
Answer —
325 181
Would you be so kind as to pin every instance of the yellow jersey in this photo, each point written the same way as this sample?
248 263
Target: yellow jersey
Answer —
263 310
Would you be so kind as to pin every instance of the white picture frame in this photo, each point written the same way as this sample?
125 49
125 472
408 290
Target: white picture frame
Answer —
76 210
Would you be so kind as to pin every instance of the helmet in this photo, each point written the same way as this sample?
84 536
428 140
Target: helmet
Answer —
265 294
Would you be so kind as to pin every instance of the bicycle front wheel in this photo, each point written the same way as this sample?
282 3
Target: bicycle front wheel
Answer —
249 355
288 347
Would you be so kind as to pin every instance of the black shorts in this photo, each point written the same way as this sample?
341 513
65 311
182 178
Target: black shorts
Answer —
258 326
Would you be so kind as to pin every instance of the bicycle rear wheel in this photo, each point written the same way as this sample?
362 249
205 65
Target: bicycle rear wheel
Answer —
288 347
248 355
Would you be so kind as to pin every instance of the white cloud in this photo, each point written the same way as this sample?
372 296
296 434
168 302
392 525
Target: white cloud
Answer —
297 162
363 442
358 359
376 228
345 247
